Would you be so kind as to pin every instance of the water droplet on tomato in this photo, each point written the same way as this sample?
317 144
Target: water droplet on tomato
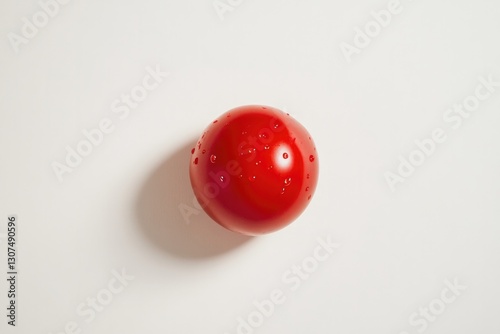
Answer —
311 158
196 161
192 151
213 158
285 155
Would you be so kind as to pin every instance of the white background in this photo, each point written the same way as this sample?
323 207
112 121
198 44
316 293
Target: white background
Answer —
119 207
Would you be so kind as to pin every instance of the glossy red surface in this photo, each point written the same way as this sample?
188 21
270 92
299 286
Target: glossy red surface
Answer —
254 169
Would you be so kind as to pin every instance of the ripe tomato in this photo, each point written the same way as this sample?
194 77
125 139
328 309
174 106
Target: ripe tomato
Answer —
254 169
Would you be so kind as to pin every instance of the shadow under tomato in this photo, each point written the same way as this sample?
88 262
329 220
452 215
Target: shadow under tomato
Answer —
164 194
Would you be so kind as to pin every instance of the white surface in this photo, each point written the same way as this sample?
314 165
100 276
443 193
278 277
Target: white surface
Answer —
397 248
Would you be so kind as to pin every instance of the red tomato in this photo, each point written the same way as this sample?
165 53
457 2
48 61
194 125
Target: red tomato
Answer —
254 169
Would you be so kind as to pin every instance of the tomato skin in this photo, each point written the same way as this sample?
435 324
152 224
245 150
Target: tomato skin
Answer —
254 169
